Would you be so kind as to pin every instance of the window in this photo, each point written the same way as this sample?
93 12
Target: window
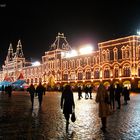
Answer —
88 75
80 76
116 72
65 77
96 74
126 72
106 73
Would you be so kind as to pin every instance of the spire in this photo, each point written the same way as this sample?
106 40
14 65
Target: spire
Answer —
19 52
60 43
10 53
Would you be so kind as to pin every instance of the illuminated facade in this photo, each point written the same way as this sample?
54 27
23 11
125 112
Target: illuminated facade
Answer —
115 61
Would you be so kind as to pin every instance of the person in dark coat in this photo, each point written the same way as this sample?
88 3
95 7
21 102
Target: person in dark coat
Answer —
67 103
90 91
40 90
9 90
125 93
112 96
118 91
31 90
79 92
86 92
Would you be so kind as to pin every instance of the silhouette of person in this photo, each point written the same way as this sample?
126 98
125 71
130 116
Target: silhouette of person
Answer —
112 96
40 90
86 92
31 90
67 103
9 90
125 93
79 92
118 95
102 98
90 91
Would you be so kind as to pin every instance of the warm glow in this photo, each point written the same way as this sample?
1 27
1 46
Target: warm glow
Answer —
71 53
36 63
86 49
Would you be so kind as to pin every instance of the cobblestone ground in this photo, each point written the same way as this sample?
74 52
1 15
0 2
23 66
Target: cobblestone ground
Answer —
19 122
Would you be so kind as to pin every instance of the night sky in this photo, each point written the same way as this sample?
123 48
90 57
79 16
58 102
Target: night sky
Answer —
37 23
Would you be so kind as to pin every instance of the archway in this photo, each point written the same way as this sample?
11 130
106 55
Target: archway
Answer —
51 81
106 84
127 84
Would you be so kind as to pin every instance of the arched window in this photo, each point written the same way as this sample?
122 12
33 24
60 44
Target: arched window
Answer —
123 53
106 73
96 74
116 72
72 77
126 71
108 55
65 77
115 54
80 76
88 75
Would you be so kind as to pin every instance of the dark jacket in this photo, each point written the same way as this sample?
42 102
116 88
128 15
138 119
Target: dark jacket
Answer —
67 101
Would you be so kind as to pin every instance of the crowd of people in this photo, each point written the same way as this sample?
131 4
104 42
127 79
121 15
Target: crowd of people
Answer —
109 99
39 90
106 99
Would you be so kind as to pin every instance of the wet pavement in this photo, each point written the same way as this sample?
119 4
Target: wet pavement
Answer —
19 122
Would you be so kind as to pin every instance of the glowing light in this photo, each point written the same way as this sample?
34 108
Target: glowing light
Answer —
71 53
86 49
138 32
36 63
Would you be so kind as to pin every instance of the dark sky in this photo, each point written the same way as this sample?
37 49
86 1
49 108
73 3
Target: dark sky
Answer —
37 23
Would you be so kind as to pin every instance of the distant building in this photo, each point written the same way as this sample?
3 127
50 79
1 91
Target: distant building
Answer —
115 61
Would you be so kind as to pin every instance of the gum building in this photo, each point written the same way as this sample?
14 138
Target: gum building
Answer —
115 61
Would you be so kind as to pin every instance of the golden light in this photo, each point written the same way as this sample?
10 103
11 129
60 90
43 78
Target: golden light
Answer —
86 49
36 63
71 53
132 78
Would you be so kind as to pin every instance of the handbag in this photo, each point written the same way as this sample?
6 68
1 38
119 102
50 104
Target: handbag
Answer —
73 118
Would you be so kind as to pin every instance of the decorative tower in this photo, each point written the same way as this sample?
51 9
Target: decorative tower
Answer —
10 53
19 52
60 43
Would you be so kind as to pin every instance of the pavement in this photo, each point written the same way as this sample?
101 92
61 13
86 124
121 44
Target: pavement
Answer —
18 121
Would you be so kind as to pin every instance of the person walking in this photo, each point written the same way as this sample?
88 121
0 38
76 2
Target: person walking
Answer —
31 90
102 98
40 90
86 92
67 103
126 95
79 92
90 91
118 91
112 96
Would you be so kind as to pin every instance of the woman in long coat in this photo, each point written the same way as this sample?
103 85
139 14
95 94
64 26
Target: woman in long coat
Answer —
102 98
67 103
